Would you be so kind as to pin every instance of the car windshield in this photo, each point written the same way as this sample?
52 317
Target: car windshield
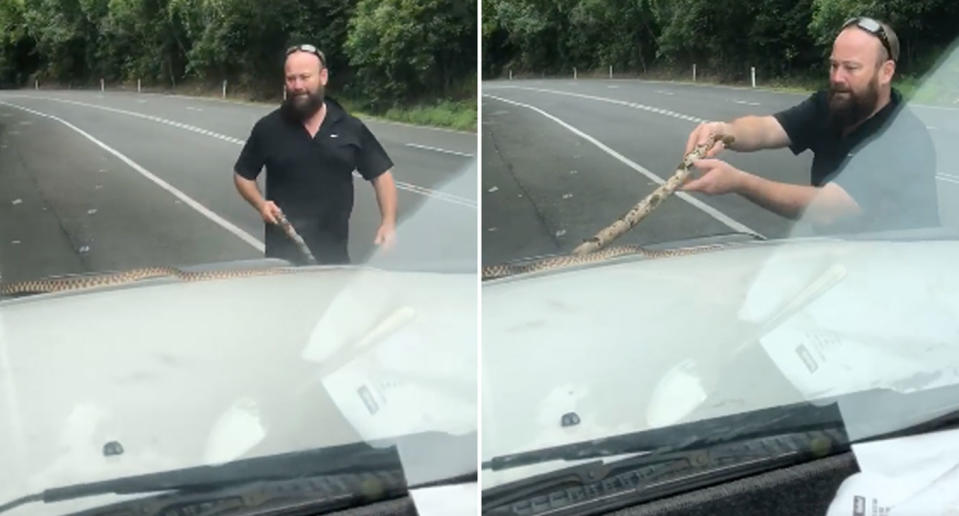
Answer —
157 314
808 260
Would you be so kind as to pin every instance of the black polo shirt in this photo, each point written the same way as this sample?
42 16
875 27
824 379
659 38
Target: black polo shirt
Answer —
311 179
887 164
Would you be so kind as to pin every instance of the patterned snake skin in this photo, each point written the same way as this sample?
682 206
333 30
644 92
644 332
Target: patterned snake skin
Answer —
119 278
560 262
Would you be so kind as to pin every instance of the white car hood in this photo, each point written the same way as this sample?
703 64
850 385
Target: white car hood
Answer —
638 344
185 374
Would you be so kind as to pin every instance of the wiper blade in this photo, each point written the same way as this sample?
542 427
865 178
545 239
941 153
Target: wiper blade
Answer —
759 423
600 487
918 410
349 458
690 456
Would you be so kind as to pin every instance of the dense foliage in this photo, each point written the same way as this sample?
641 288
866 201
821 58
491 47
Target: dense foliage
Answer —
390 52
723 37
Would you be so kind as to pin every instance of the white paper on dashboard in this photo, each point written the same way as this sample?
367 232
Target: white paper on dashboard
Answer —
406 384
907 476
455 500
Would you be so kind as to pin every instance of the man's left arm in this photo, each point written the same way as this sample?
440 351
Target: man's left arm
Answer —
824 205
385 189
376 167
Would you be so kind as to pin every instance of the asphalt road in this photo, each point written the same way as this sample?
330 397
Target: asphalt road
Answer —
564 158
94 181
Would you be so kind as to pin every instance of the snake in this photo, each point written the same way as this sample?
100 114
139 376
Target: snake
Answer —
595 249
564 261
87 281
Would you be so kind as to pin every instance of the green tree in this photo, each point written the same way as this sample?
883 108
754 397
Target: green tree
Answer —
404 50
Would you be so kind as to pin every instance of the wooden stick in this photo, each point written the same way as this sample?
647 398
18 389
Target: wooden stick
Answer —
644 207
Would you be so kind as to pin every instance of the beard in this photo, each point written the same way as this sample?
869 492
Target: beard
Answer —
847 107
303 105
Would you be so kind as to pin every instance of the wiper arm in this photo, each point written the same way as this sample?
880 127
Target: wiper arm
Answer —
695 455
930 408
759 423
600 487
349 458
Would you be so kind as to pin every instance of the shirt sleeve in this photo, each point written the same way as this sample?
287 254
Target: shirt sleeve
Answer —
373 160
252 157
800 122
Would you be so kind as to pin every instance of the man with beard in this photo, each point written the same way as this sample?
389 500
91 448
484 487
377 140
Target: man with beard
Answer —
311 147
874 162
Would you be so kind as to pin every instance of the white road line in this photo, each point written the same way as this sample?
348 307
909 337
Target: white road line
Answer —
643 107
189 201
949 178
709 210
450 198
443 196
437 149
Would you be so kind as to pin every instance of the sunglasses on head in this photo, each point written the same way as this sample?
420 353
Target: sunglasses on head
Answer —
873 27
309 49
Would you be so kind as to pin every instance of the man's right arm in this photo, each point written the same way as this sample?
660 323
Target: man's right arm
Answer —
750 133
250 191
245 172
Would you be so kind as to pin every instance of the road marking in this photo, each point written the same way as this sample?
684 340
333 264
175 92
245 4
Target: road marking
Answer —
422 190
409 187
203 210
437 149
613 87
191 108
664 92
927 106
643 107
709 210
949 178
142 116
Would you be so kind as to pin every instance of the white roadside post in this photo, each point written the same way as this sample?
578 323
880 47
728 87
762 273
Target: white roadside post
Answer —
224 89
752 72
610 71
574 73
694 72
138 86
511 74
36 84
102 88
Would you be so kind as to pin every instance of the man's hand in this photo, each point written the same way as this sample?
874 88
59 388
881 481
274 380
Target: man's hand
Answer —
385 235
270 211
702 134
718 177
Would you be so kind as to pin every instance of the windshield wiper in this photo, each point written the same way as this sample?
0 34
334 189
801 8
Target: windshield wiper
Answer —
356 458
916 410
599 486
688 456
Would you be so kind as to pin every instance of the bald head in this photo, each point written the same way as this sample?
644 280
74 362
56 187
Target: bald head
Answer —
305 76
